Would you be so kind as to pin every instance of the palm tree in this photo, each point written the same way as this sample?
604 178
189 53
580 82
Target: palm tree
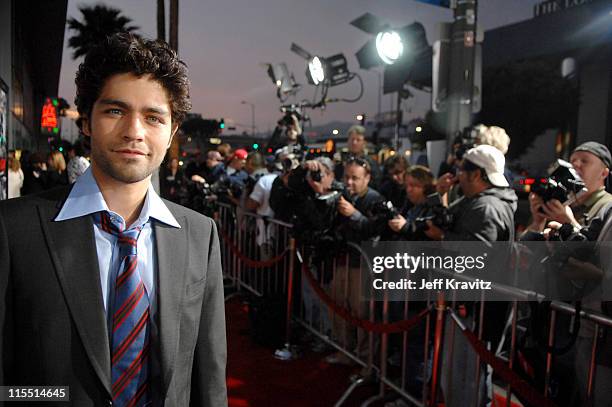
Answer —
97 23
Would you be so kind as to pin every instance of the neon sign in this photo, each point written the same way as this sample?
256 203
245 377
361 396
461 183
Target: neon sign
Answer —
49 120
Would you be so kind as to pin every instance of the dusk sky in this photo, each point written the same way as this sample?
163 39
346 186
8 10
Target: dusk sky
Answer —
225 42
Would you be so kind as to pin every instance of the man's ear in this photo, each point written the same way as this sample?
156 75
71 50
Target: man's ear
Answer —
174 130
85 127
605 173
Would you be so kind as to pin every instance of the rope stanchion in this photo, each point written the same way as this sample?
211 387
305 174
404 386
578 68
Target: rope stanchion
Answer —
248 261
519 385
396 327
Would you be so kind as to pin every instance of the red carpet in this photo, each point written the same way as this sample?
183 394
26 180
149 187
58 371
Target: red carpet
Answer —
257 379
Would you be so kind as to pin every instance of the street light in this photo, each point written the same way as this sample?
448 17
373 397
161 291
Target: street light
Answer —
244 102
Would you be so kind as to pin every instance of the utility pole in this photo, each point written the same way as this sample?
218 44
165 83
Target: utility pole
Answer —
457 67
174 23
461 70
161 20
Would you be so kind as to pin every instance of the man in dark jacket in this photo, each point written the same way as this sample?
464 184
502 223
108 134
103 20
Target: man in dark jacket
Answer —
485 213
360 221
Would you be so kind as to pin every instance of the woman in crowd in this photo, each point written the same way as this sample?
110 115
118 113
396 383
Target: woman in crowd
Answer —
57 174
419 182
392 186
15 177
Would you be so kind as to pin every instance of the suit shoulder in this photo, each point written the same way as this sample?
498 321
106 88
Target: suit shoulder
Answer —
16 206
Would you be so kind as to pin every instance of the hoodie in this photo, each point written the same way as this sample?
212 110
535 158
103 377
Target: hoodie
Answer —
488 216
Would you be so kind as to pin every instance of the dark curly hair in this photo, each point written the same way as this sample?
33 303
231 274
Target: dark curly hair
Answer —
129 53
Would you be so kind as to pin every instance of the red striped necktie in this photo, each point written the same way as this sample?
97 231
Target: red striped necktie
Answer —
130 320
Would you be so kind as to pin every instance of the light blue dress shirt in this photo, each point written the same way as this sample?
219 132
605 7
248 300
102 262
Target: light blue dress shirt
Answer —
86 199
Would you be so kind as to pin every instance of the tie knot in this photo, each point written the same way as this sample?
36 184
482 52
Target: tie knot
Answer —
114 225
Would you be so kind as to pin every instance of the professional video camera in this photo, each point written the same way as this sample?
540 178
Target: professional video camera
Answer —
563 184
435 212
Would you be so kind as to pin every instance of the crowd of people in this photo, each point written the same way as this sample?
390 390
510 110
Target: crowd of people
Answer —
34 172
353 198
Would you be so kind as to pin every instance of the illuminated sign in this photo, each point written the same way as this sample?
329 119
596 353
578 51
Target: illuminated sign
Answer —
552 6
49 119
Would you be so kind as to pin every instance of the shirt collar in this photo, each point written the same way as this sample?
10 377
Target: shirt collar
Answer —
85 198
595 196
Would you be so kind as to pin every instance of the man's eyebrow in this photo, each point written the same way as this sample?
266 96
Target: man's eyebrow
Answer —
114 102
125 105
156 110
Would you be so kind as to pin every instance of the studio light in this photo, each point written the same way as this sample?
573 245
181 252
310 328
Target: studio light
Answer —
389 46
330 71
316 71
404 52
282 79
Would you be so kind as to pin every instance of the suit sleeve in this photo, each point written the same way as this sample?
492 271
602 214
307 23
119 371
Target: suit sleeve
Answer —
6 329
208 387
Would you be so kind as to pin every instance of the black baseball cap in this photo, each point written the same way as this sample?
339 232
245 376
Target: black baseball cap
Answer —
598 150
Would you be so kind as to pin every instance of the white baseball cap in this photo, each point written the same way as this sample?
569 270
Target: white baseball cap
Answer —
491 160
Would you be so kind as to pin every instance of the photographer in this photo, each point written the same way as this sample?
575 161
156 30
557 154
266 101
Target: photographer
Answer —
419 183
485 213
592 162
299 197
357 148
392 186
359 222
591 272
287 132
470 137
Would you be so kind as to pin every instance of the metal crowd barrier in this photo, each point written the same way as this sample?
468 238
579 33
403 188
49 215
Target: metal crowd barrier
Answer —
401 346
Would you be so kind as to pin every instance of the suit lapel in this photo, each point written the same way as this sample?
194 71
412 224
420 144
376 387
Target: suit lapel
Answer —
73 252
171 245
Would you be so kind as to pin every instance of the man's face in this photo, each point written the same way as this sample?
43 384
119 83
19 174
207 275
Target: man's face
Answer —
397 174
213 159
249 166
415 190
130 128
356 179
292 133
356 143
237 163
590 168
468 180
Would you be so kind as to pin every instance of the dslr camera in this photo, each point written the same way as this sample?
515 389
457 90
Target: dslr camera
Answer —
563 184
435 212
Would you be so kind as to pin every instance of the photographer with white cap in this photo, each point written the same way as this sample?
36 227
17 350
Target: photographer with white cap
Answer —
486 211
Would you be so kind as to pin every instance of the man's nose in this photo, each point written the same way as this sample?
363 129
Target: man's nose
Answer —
135 129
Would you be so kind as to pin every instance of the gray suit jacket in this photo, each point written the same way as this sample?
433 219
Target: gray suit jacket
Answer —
52 321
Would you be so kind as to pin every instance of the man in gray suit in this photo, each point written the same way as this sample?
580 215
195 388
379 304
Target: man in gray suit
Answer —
105 287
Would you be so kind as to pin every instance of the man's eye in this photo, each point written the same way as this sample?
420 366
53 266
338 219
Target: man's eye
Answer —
154 119
114 111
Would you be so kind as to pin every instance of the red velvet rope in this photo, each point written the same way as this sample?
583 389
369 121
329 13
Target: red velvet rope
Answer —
400 326
519 385
247 261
